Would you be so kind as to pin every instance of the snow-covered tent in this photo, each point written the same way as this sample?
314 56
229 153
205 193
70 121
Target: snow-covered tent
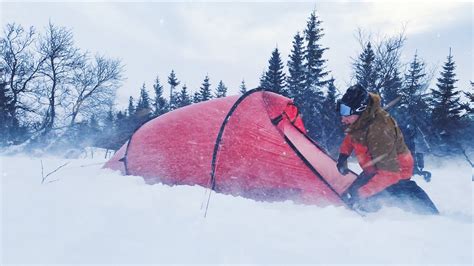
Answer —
254 146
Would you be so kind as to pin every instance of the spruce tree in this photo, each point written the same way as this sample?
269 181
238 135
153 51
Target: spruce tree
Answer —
330 100
310 100
183 98
107 137
221 90
364 68
78 135
414 81
144 100
175 104
133 119
109 121
469 117
470 96
123 130
332 132
446 114
131 107
392 88
413 109
296 78
196 97
119 121
274 77
243 87
315 64
159 104
205 90
120 116
94 129
173 82
143 109
109 124
263 81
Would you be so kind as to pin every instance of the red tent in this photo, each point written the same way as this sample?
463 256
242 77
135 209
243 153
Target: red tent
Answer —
253 146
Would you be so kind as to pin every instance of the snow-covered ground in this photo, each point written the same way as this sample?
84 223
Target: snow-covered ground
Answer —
94 216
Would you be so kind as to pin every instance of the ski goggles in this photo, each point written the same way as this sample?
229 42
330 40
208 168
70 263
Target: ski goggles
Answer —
345 110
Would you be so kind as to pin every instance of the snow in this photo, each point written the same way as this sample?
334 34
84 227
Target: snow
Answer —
95 216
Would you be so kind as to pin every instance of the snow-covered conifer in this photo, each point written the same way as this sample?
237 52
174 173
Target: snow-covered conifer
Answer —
275 77
221 90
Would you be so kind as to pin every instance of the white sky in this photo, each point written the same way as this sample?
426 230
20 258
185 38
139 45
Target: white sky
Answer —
233 41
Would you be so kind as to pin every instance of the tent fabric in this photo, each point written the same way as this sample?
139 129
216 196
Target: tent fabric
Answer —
254 146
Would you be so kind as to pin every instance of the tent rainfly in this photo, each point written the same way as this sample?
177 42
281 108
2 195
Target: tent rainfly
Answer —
253 146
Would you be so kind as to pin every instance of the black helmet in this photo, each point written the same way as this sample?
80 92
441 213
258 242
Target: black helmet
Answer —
354 101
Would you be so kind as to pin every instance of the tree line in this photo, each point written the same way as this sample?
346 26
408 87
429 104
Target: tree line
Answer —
50 89
122 124
433 119
53 95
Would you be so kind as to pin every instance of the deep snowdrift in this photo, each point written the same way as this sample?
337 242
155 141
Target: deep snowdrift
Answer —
91 215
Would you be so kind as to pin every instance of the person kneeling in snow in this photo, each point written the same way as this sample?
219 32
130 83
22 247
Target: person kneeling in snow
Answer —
381 151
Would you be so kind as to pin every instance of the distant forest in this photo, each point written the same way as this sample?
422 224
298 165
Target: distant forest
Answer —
55 97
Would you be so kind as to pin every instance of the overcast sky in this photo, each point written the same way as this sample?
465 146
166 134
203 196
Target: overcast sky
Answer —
234 40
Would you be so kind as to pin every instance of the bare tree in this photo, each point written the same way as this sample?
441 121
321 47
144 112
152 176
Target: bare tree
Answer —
62 60
387 62
20 64
94 87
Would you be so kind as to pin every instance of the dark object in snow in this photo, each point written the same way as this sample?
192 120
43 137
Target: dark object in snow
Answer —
254 146
406 194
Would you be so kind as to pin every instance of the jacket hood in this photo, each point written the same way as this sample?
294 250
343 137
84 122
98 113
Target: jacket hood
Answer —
368 115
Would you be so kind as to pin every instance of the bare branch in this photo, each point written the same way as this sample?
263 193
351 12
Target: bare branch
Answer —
467 157
50 173
22 65
62 60
95 86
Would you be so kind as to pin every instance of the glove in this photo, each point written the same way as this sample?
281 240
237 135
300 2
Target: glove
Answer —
342 164
351 196
363 179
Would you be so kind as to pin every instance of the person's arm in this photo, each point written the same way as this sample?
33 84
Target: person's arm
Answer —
382 149
346 147
344 153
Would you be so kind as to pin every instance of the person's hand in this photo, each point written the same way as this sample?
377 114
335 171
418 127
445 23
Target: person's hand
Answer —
342 164
363 178
360 205
351 196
